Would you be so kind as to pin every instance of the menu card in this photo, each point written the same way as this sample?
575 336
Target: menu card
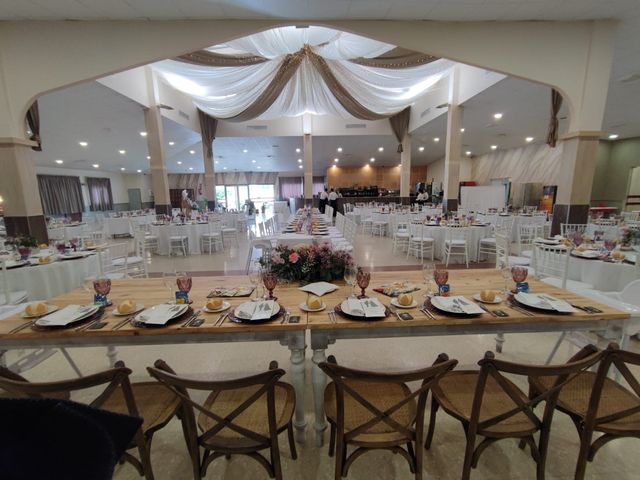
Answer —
257 310
366 307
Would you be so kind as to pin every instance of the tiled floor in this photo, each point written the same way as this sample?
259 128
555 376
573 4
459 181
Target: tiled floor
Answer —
503 460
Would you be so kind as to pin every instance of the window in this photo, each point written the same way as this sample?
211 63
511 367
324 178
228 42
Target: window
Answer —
261 194
221 199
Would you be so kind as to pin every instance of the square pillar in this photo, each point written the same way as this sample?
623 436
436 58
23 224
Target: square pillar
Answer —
405 170
209 178
451 181
308 167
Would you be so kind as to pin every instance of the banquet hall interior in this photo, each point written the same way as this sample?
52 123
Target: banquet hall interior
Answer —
303 232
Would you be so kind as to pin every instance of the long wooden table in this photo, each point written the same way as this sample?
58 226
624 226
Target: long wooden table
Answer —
322 330
463 282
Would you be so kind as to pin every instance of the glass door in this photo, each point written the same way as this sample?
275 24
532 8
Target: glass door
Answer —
243 195
232 197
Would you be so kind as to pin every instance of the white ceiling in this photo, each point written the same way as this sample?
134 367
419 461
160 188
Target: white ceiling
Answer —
621 114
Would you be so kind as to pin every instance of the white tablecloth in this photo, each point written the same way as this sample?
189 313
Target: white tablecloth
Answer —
193 232
605 276
42 282
608 230
475 234
292 239
117 226
66 232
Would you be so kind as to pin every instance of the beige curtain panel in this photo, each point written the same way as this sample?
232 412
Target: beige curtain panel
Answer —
33 120
556 104
400 125
60 194
208 127
211 59
396 58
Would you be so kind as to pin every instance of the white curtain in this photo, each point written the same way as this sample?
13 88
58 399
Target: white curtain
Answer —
224 92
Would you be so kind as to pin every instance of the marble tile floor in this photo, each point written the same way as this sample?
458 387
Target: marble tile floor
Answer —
503 460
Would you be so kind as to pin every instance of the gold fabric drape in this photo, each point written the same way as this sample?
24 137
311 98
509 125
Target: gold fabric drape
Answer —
208 127
33 120
397 58
211 59
287 70
400 125
556 103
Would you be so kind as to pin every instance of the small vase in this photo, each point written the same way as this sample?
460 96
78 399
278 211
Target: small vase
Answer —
24 252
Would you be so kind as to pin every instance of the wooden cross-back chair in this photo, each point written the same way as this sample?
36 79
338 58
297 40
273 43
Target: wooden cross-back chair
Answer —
490 405
598 404
240 416
154 404
371 410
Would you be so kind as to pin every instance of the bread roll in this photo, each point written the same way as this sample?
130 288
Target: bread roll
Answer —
488 295
214 303
38 308
44 259
314 302
405 299
127 306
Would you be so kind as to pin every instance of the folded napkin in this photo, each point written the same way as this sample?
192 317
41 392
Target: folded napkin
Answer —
366 307
67 315
258 310
461 304
544 300
319 288
396 288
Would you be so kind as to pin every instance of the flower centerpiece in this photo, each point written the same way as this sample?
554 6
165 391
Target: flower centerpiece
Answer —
24 244
629 236
308 263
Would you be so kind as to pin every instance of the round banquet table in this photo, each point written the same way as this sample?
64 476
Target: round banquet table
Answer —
607 230
117 226
475 234
605 276
65 232
290 240
192 231
42 282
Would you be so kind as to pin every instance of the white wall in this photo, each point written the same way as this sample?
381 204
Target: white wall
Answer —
118 188
435 170
138 180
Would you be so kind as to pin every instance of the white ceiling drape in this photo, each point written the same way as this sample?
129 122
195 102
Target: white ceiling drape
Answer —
224 92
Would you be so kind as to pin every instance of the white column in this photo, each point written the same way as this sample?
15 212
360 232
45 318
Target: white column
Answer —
405 167
308 167
209 176
451 180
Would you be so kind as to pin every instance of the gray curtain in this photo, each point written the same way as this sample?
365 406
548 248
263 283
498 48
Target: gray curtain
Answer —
208 127
33 120
60 194
211 59
400 125
556 103
397 58
100 194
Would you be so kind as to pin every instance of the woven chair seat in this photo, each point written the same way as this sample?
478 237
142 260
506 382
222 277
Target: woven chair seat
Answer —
58 395
574 400
382 396
156 404
254 418
455 391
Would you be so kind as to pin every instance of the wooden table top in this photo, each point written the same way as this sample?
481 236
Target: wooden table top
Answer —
152 292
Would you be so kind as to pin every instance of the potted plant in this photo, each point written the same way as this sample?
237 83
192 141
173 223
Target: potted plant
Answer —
24 244
263 208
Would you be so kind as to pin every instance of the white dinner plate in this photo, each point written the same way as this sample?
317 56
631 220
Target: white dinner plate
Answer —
304 308
533 301
586 254
50 309
395 303
67 315
222 308
446 304
476 296
161 314
246 310
138 308
73 255
344 306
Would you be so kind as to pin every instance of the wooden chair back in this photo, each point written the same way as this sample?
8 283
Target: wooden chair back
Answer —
490 367
181 386
427 377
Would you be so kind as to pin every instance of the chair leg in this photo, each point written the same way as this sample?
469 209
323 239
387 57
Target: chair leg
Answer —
332 440
419 457
583 455
432 423
71 362
339 457
468 457
555 348
292 442
275 460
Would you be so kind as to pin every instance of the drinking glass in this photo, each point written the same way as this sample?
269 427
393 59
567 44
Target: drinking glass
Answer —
610 243
87 285
255 277
427 274
363 279
169 281
441 277
350 273
506 275
519 274
270 281
184 281
102 286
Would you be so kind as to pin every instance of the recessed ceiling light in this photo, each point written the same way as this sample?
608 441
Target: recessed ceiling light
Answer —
299 160
59 162
143 134
297 150
493 147
245 150
339 149
179 162
83 143
172 143
217 162
192 152
139 171
497 116
399 165
95 165
224 168
190 168
122 169
258 167
421 149
462 130
467 153
436 139
122 152
528 139
613 136
372 159
335 166
381 149
148 157
299 166
253 161
336 160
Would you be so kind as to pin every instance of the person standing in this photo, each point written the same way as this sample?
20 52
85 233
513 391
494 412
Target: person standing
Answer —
324 197
333 201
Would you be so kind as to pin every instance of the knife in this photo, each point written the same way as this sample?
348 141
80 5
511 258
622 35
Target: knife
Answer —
486 309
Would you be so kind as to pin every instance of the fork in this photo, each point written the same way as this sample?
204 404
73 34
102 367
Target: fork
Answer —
427 313
285 317
519 309
493 314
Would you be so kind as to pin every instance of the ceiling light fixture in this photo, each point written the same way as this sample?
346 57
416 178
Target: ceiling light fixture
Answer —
148 157
245 150
122 152
83 143
143 134
372 159
139 171
436 139
297 150
95 165
497 116
190 168
462 130
59 162
122 169
217 162
421 149
172 143
528 139
224 168
252 161
299 166
467 153
258 167
299 160
179 162
192 152
339 149
494 147
336 160
613 136
381 149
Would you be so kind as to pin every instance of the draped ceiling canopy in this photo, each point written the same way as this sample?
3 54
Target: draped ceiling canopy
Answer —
291 71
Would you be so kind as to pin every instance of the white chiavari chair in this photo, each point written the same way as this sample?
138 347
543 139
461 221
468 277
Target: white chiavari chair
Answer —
212 239
178 240
379 224
456 243
503 249
565 228
401 232
229 230
420 242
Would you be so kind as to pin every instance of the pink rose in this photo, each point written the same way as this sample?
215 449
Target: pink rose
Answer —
294 257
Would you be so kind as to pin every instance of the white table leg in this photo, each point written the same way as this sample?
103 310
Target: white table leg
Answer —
499 341
319 344
297 369
112 355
